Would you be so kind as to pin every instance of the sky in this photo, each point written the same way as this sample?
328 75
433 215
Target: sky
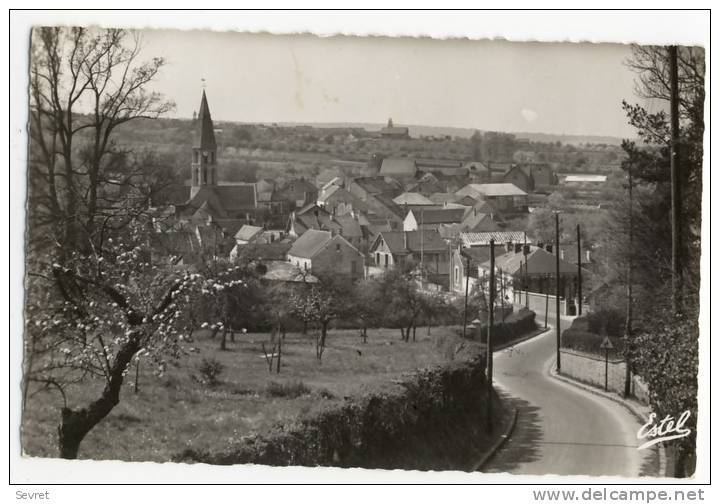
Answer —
558 88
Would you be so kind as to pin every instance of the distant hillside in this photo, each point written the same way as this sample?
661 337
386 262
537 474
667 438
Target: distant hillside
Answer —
417 131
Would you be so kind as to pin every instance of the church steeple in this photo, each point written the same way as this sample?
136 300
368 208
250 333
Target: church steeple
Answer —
204 151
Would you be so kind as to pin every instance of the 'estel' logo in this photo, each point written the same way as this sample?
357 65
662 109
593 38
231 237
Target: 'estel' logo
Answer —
665 430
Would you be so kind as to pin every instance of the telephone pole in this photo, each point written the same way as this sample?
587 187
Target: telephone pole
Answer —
557 289
491 323
579 272
628 313
674 179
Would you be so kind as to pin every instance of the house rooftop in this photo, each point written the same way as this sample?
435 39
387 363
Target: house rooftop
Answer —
248 232
539 262
398 166
405 242
439 215
412 198
483 238
310 243
494 190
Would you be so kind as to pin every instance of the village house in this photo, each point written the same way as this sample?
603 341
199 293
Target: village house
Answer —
504 196
401 169
465 267
340 201
351 226
528 277
425 248
432 218
324 252
531 176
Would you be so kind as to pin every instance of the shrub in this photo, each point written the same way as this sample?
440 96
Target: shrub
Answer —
582 338
606 321
515 325
290 390
210 370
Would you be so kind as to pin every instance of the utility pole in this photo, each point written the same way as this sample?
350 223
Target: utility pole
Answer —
628 314
674 179
467 288
525 279
489 350
579 273
557 288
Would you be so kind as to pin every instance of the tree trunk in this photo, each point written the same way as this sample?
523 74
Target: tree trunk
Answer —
76 423
223 342
402 333
279 354
414 332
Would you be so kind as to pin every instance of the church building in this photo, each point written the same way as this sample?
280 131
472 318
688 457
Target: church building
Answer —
207 200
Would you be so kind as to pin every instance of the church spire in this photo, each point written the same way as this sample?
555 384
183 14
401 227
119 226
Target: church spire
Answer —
204 150
206 140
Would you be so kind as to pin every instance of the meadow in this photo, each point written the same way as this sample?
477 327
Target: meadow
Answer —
181 410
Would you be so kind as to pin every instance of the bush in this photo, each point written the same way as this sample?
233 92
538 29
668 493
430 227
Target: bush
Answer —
290 390
580 337
606 321
514 326
210 370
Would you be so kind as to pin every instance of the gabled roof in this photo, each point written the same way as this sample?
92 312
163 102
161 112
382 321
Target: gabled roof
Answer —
439 215
412 198
378 185
478 255
539 262
405 242
479 222
294 190
310 243
248 232
205 133
491 190
479 239
398 166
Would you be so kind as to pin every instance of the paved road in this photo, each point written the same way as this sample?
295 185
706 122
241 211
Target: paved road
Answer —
562 429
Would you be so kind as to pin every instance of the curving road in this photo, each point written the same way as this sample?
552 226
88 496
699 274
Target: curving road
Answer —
562 429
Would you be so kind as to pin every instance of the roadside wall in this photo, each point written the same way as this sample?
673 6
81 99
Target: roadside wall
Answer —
589 368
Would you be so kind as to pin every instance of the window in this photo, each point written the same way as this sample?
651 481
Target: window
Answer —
353 267
457 275
386 260
377 258
337 247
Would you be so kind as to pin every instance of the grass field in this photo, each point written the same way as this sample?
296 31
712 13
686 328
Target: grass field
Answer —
177 411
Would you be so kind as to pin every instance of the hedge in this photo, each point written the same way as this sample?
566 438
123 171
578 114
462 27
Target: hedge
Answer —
515 325
580 337
435 420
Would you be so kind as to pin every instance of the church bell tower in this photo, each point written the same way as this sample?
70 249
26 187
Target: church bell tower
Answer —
204 151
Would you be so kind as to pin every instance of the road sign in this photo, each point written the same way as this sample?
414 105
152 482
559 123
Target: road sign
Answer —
606 344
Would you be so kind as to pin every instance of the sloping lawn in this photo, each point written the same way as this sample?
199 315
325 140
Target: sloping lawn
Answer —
179 411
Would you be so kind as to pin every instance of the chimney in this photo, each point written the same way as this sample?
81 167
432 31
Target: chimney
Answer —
508 247
549 248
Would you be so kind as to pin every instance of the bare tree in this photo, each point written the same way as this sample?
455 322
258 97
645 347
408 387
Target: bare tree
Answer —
84 84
